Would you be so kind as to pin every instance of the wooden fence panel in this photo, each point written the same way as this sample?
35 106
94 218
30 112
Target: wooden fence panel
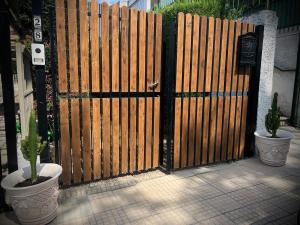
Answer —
210 114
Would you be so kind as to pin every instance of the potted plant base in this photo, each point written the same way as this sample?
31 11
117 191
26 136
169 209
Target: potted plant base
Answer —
273 144
273 151
35 204
33 191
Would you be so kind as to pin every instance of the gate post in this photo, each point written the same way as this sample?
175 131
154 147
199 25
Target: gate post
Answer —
54 80
253 94
41 88
169 84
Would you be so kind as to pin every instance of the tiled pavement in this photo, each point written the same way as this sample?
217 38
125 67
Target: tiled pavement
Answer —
243 192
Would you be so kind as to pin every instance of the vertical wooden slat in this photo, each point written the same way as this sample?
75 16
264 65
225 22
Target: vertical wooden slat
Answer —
194 71
227 89
156 132
115 47
142 79
61 46
115 88
150 76
202 53
158 49
148 132
105 47
73 53
224 37
65 141
208 76
186 85
133 49
215 79
106 137
141 134
115 136
245 104
180 44
84 46
191 140
133 86
132 134
75 120
179 62
198 131
234 85
86 139
95 46
124 50
124 138
96 139
124 88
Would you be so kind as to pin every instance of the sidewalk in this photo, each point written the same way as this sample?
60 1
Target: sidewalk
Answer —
243 192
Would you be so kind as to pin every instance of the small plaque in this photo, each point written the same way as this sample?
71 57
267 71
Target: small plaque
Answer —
37 22
38 54
248 48
38 35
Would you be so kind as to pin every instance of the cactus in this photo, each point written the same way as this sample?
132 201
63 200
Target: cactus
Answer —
32 146
272 122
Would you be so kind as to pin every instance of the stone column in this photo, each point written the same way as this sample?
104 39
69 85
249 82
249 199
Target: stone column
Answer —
269 20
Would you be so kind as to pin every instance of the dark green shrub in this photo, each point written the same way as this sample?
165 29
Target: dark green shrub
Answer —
272 122
215 8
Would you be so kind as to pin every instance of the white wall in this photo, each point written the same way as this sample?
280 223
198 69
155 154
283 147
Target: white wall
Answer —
285 65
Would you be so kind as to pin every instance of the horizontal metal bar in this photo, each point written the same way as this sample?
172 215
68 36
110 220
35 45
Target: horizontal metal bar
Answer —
210 94
110 95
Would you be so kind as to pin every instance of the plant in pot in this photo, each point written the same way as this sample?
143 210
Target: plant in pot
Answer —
273 144
33 191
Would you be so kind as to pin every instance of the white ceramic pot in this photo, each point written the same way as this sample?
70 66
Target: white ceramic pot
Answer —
273 151
36 204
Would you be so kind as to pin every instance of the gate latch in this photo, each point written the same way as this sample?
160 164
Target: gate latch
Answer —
152 86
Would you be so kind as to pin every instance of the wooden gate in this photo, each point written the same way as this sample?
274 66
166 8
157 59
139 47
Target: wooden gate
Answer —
211 91
109 68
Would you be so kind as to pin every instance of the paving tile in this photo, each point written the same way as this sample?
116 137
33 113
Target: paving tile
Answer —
287 220
286 201
222 219
114 216
224 203
172 217
138 211
245 215
104 201
201 210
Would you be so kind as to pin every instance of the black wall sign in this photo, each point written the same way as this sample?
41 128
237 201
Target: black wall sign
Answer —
248 48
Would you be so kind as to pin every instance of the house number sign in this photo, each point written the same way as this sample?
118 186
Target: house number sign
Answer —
248 48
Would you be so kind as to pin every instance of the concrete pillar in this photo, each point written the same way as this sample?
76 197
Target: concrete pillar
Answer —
269 20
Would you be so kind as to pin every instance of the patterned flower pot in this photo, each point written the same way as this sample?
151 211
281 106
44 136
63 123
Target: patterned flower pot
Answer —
36 204
273 151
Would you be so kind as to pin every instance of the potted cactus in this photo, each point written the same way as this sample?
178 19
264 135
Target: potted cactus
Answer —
32 191
273 144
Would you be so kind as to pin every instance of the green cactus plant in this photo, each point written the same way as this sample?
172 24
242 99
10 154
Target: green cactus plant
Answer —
272 122
32 146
